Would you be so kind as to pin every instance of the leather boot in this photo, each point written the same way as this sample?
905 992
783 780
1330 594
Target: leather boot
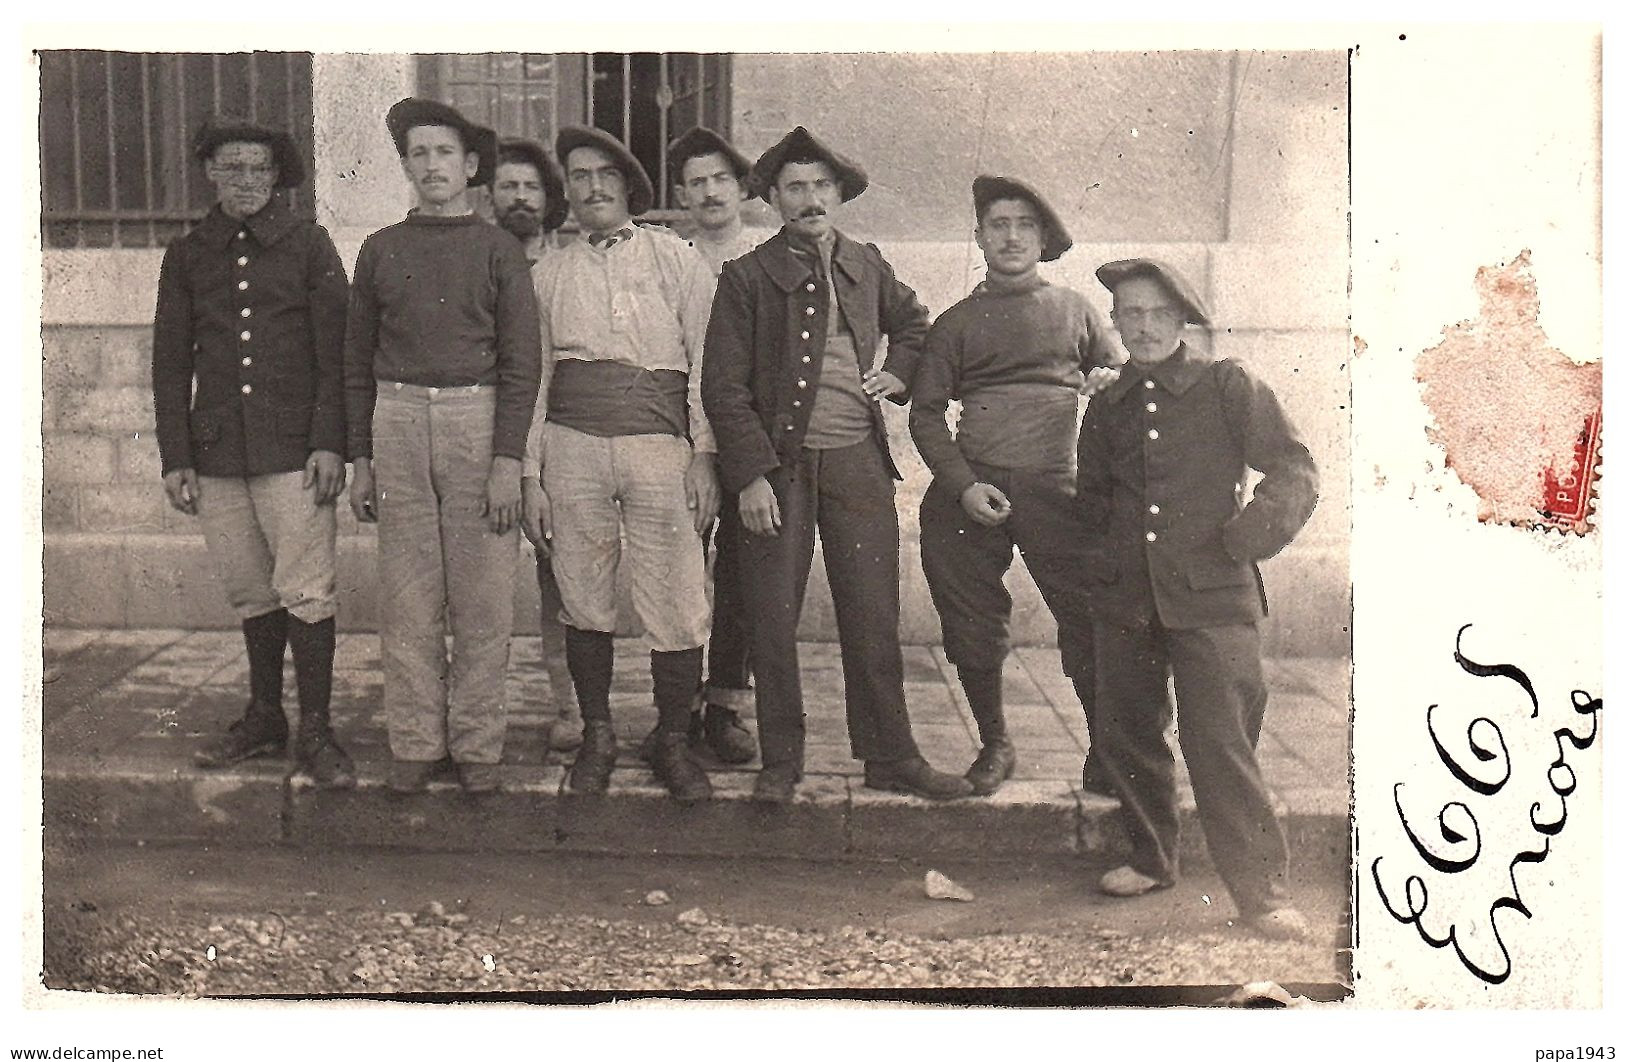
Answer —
589 774
996 763
683 778
262 731
914 776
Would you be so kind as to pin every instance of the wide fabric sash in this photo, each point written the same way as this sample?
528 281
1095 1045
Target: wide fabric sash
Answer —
608 398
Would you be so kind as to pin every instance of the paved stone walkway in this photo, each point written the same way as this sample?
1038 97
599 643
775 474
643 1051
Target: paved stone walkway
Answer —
151 696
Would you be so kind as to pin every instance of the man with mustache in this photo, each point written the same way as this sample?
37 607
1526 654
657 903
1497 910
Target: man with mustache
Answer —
792 383
247 380
441 371
1017 353
1175 589
711 186
527 199
621 451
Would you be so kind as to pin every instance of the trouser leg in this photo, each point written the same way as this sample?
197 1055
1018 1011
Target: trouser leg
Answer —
579 477
480 567
1219 687
1046 530
411 577
775 582
857 523
237 546
965 564
1132 689
727 657
242 556
664 555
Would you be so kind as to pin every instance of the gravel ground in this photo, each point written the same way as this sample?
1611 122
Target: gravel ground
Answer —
434 949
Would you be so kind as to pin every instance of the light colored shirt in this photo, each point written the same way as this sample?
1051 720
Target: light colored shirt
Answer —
716 253
643 301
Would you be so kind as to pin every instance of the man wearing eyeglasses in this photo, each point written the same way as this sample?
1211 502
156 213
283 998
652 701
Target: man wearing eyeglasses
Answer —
248 375
1175 589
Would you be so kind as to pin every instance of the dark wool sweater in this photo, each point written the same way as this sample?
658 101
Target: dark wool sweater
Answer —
443 302
1015 356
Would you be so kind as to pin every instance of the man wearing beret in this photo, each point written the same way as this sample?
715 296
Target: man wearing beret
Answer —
792 383
527 194
527 199
620 450
441 371
712 183
1175 588
247 376
1017 353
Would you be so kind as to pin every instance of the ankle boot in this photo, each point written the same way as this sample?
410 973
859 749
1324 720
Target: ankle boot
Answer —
262 731
684 779
589 774
996 762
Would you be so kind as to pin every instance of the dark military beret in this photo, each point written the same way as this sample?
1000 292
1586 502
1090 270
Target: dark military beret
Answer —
799 144
700 141
640 191
412 112
986 189
1114 273
290 164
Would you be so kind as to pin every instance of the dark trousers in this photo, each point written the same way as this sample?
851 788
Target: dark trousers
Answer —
727 657
965 564
846 497
1219 689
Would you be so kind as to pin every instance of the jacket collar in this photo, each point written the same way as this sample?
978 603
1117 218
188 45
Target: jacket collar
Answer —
273 222
1176 374
789 269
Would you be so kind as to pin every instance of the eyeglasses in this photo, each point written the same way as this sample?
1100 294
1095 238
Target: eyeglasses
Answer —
1162 315
240 170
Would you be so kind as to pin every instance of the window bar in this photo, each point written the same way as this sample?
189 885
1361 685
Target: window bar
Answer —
295 195
179 67
289 92
665 131
626 100
592 78
112 142
73 111
553 105
214 67
699 94
146 145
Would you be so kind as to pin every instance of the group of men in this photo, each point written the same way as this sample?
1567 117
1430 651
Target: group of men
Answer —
633 402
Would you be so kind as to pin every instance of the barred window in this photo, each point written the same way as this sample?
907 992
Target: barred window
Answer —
644 98
116 130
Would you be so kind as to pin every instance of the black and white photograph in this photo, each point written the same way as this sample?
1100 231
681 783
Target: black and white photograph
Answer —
870 524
